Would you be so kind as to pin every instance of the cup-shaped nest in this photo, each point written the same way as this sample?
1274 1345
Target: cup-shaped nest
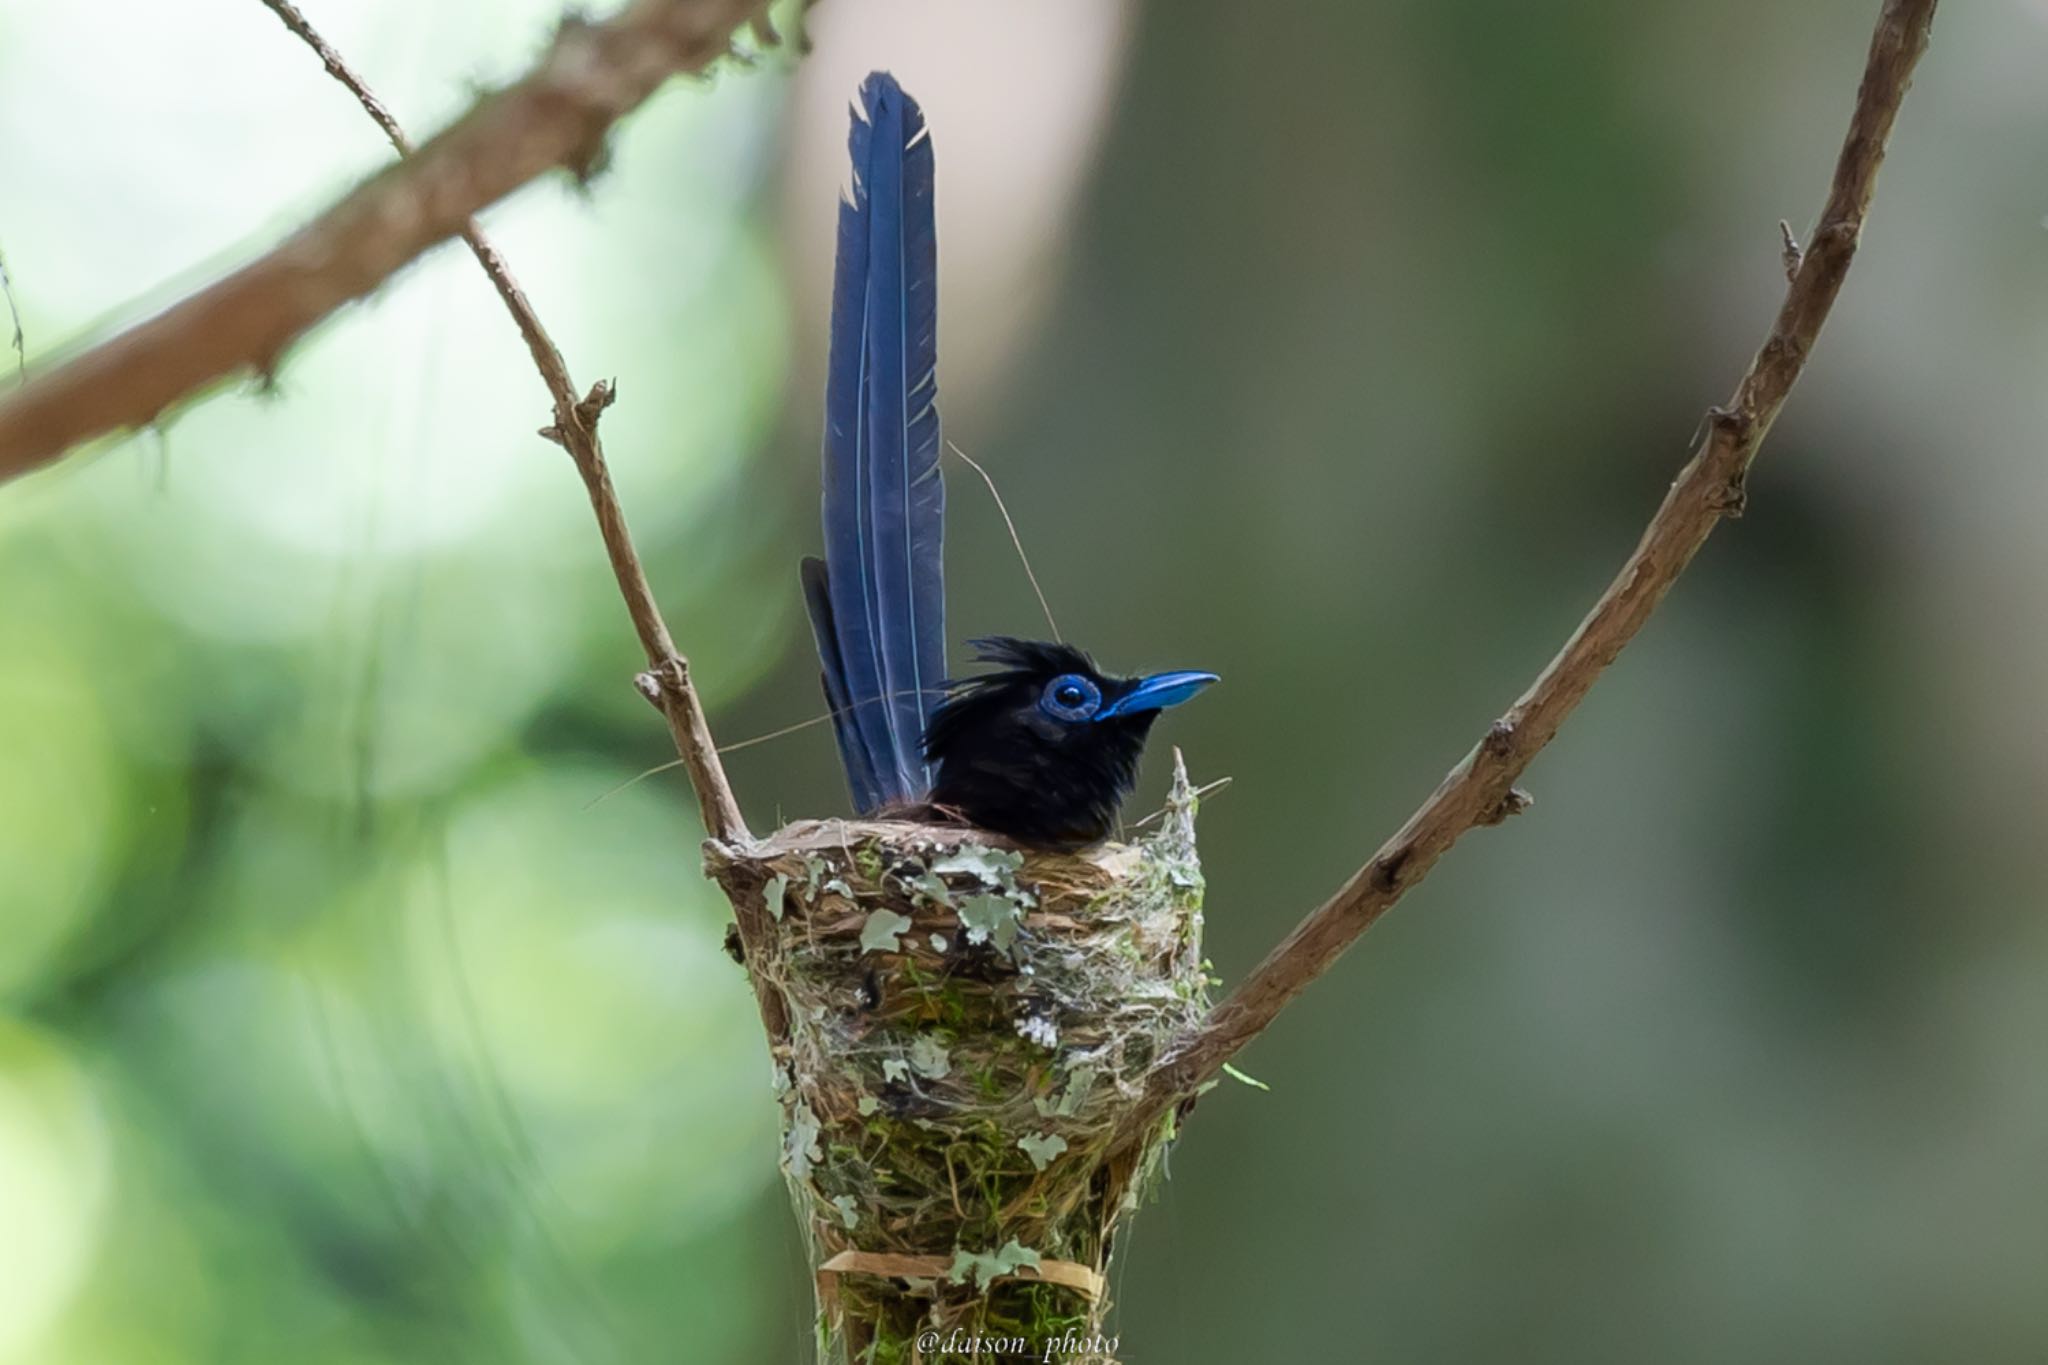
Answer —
968 1026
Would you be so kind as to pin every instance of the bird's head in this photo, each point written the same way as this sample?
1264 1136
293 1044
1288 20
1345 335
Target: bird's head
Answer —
1045 746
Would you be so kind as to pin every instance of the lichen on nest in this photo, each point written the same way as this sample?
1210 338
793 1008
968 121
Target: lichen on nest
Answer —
968 1023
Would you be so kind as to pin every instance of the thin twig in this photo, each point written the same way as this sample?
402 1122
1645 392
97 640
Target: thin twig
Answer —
1015 539
14 316
1711 486
780 732
592 75
667 680
1197 794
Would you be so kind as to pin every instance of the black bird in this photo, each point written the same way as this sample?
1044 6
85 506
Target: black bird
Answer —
1044 748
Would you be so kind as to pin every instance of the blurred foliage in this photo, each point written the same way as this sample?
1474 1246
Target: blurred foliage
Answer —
342 1021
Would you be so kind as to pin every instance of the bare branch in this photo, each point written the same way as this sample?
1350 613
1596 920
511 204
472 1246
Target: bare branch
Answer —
667 681
1480 790
20 341
557 115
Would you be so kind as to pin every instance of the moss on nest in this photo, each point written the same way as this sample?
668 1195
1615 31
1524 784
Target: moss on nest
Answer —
968 1023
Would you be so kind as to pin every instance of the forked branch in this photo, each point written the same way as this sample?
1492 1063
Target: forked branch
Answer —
1481 788
558 114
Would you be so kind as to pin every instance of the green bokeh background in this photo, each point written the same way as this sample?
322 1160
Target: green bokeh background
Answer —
341 1021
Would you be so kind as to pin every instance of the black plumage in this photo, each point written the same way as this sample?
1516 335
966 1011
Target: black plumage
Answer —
1045 775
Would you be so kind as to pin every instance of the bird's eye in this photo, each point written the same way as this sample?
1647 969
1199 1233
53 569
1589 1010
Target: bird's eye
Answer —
1070 697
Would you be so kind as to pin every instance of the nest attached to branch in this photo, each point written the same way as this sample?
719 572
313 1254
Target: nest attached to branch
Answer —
967 1025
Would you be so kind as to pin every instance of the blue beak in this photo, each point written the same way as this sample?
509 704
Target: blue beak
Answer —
1156 693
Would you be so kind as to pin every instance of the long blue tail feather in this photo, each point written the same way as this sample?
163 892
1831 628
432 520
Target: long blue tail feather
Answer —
879 601
853 754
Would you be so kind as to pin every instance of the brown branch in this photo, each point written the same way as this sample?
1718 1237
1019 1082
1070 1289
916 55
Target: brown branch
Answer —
575 430
557 115
1480 790
667 680
20 340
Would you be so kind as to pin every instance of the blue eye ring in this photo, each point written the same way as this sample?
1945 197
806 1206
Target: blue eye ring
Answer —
1070 697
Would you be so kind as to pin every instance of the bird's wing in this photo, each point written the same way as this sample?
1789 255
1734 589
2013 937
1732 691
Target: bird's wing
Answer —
884 502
